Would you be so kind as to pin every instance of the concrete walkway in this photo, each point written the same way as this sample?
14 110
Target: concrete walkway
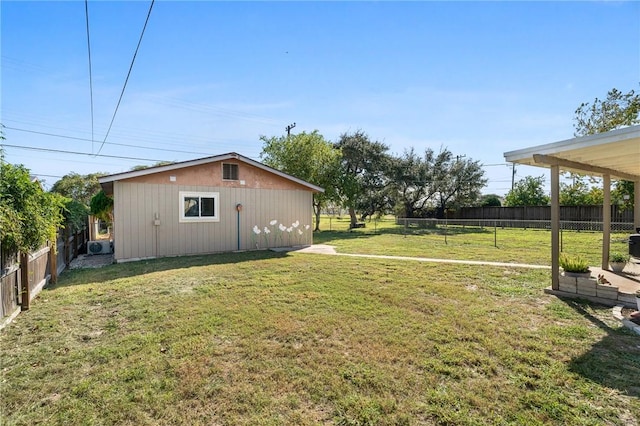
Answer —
327 249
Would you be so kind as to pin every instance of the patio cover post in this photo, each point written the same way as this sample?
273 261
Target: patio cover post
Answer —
606 220
555 227
636 204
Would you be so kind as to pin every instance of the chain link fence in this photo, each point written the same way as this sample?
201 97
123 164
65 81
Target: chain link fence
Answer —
568 225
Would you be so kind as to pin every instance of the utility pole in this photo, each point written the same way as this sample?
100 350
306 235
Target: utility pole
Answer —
289 127
513 175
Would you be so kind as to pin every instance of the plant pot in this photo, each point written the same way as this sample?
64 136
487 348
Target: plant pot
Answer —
617 266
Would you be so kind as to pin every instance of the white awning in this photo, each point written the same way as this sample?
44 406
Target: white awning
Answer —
616 153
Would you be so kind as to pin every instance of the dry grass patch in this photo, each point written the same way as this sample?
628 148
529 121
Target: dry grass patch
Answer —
265 338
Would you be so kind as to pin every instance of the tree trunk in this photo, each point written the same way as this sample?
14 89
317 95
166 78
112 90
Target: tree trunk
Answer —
316 210
352 214
408 210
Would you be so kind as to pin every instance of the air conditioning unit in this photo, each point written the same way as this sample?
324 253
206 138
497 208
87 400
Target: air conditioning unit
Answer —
99 247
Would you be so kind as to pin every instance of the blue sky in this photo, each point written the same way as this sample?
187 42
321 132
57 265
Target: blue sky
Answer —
479 78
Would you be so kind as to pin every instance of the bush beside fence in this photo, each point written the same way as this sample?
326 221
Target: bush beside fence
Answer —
22 277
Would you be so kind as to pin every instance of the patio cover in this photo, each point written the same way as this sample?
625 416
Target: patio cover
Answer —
614 154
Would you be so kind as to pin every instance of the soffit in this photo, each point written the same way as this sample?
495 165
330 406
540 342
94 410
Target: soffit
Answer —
616 152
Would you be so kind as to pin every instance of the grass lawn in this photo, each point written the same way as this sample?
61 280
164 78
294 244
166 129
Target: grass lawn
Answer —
532 246
272 338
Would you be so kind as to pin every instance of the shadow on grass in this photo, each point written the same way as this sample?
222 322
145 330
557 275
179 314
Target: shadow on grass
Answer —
141 267
614 361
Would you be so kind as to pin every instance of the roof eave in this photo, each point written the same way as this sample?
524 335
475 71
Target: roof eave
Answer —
109 179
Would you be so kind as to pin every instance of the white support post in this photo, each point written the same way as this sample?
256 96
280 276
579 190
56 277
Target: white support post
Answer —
555 227
606 220
636 205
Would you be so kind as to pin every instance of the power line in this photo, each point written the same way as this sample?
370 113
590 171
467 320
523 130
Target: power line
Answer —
86 14
134 134
33 148
127 79
109 143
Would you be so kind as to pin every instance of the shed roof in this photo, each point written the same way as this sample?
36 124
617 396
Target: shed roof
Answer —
616 153
107 181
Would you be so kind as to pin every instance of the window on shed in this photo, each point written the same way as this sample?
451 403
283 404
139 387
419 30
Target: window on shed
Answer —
229 171
199 206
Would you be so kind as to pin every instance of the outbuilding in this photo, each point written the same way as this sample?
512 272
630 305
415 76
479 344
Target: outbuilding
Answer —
216 204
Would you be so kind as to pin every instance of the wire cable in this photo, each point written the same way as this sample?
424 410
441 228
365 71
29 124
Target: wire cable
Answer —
127 79
33 148
108 143
86 14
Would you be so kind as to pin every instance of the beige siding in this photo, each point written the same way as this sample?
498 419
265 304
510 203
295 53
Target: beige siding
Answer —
138 204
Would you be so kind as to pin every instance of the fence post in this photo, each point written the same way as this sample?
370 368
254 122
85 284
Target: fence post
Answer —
53 262
75 244
24 277
445 230
67 247
495 233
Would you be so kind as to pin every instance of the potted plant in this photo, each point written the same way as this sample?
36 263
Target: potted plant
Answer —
575 266
618 261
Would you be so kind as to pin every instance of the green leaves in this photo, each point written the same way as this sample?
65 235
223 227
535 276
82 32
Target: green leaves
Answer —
101 206
527 192
307 156
29 216
617 110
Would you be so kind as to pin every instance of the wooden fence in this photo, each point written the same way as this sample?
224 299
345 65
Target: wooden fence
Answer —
568 213
23 276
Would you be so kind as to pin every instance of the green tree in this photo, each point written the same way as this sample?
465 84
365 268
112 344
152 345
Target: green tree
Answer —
490 200
78 189
437 180
102 206
143 167
527 192
307 156
576 193
412 181
623 193
459 183
29 215
362 170
616 111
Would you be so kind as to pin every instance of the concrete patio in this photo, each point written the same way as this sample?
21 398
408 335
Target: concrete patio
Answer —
627 283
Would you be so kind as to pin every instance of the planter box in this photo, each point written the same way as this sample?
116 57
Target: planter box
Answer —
567 284
586 286
607 292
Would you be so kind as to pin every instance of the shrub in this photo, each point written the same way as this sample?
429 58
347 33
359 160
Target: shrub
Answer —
30 216
573 263
617 257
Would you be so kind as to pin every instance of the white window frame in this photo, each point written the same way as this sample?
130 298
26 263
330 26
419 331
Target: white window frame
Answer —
190 219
